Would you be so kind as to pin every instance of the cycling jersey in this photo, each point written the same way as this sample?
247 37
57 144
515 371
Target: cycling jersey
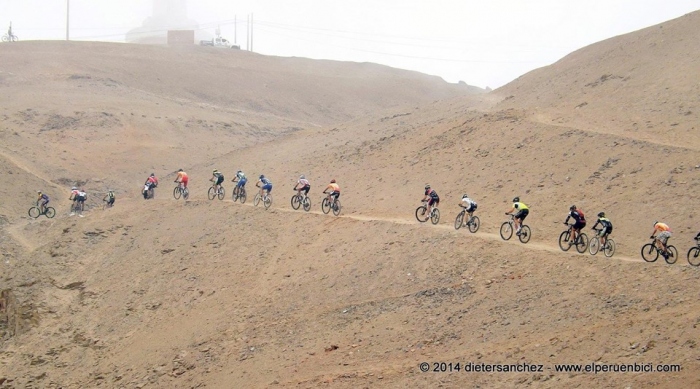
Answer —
43 197
334 187
181 176
520 206
662 227
577 215
468 203
303 182
240 175
432 193
265 181
74 194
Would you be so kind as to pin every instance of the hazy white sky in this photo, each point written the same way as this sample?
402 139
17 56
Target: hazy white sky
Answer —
484 43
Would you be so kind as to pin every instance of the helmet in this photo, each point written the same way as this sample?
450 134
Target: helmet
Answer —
516 199
262 176
179 170
215 170
572 207
73 188
601 214
153 174
427 186
302 177
655 221
239 172
464 196
39 192
333 181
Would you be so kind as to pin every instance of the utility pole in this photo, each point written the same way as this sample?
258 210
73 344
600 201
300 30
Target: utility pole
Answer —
247 33
67 19
235 29
251 32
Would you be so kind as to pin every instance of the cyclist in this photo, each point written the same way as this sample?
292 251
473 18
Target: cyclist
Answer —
41 202
151 182
522 212
302 185
431 197
664 233
219 178
182 179
74 197
240 179
606 230
469 205
82 196
109 198
579 222
334 192
264 184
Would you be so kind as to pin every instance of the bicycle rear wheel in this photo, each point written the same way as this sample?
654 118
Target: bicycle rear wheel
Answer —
525 234
474 224
295 202
336 207
649 252
564 241
177 193
267 201
50 212
306 203
34 212
694 256
420 214
435 216
222 193
459 220
609 248
242 196
672 255
506 231
5 38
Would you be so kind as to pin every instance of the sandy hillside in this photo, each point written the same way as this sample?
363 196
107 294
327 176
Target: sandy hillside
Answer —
175 294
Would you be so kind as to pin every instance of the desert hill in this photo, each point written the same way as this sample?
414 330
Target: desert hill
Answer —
182 294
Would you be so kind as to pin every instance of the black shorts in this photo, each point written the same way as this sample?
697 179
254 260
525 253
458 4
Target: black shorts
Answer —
434 200
522 214
472 208
335 194
579 225
110 201
80 199
305 189
219 180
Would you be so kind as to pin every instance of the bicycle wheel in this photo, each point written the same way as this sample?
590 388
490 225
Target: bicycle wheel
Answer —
459 220
672 255
222 193
307 204
474 224
50 212
506 231
435 216
581 242
5 38
594 246
256 199
649 252
295 202
242 196
609 248
34 212
420 214
177 193
267 201
336 208
525 234
564 241
234 193
694 256
211 193
185 193
14 38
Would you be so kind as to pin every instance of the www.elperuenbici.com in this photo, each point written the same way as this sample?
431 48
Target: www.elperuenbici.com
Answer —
524 367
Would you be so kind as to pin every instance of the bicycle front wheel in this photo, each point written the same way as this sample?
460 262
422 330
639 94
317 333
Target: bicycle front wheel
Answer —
421 214
649 252
50 212
34 211
435 216
5 38
256 199
694 256
672 255
222 193
242 196
459 220
506 231
474 224
295 202
211 193
594 246
609 248
564 241
336 208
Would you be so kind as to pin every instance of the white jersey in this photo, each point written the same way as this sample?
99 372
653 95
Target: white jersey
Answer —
468 203
303 182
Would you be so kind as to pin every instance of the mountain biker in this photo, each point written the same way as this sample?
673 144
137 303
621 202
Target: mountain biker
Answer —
219 178
182 179
522 212
606 230
431 197
151 182
82 196
302 184
334 192
74 197
469 205
42 201
240 179
109 198
579 222
264 184
664 234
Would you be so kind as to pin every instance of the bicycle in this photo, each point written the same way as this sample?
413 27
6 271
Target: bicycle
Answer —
650 252
107 204
594 244
266 199
239 193
581 241
326 205
10 38
77 207
214 193
694 254
434 215
35 212
473 222
299 200
508 227
180 191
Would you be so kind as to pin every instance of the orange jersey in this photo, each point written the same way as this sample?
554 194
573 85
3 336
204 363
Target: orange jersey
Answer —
662 227
181 176
334 187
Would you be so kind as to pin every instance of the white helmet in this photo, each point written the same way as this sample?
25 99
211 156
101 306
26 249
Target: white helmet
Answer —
302 177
